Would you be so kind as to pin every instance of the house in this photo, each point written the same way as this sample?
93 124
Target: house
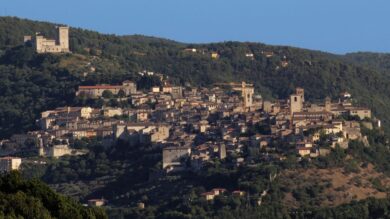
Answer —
127 87
190 50
345 95
249 55
214 192
154 134
238 193
218 191
83 133
173 156
96 202
361 112
303 151
352 133
175 91
111 112
208 196
304 144
311 116
8 164
58 151
156 89
214 55
141 205
142 116
267 54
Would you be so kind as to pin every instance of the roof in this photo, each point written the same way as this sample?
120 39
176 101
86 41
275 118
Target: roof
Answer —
311 113
9 158
177 148
220 189
101 87
303 148
97 200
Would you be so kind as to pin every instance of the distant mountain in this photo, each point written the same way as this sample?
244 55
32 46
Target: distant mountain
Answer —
30 83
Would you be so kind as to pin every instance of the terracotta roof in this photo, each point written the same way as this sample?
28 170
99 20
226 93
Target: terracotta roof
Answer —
101 87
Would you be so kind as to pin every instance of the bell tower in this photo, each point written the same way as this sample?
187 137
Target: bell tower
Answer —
247 94
328 104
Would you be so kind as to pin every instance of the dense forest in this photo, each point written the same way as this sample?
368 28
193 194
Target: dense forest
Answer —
20 198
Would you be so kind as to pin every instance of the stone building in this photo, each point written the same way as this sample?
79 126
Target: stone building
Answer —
247 90
301 92
8 164
58 151
296 104
172 156
328 104
128 87
58 45
247 94
96 202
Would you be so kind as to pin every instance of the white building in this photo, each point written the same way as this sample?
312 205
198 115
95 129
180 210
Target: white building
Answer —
8 164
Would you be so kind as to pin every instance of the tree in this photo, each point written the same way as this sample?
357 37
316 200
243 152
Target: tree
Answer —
121 93
107 94
20 198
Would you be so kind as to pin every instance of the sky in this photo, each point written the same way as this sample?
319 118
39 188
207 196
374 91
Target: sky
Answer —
337 26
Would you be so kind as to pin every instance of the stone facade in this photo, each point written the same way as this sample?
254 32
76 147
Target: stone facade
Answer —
95 91
58 45
172 155
296 103
8 164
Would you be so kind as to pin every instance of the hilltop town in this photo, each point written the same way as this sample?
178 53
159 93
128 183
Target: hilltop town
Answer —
149 139
193 126
199 124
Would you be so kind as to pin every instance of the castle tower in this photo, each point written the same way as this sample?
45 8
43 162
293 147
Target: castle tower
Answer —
247 94
63 38
300 91
328 104
296 103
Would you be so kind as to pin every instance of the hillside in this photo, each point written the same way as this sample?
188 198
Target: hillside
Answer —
25 75
337 184
21 198
276 183
331 187
378 61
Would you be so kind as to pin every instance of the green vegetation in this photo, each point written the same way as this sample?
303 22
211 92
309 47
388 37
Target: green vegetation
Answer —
133 175
38 82
31 83
21 198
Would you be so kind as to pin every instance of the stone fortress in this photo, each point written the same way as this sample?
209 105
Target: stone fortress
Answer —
58 45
